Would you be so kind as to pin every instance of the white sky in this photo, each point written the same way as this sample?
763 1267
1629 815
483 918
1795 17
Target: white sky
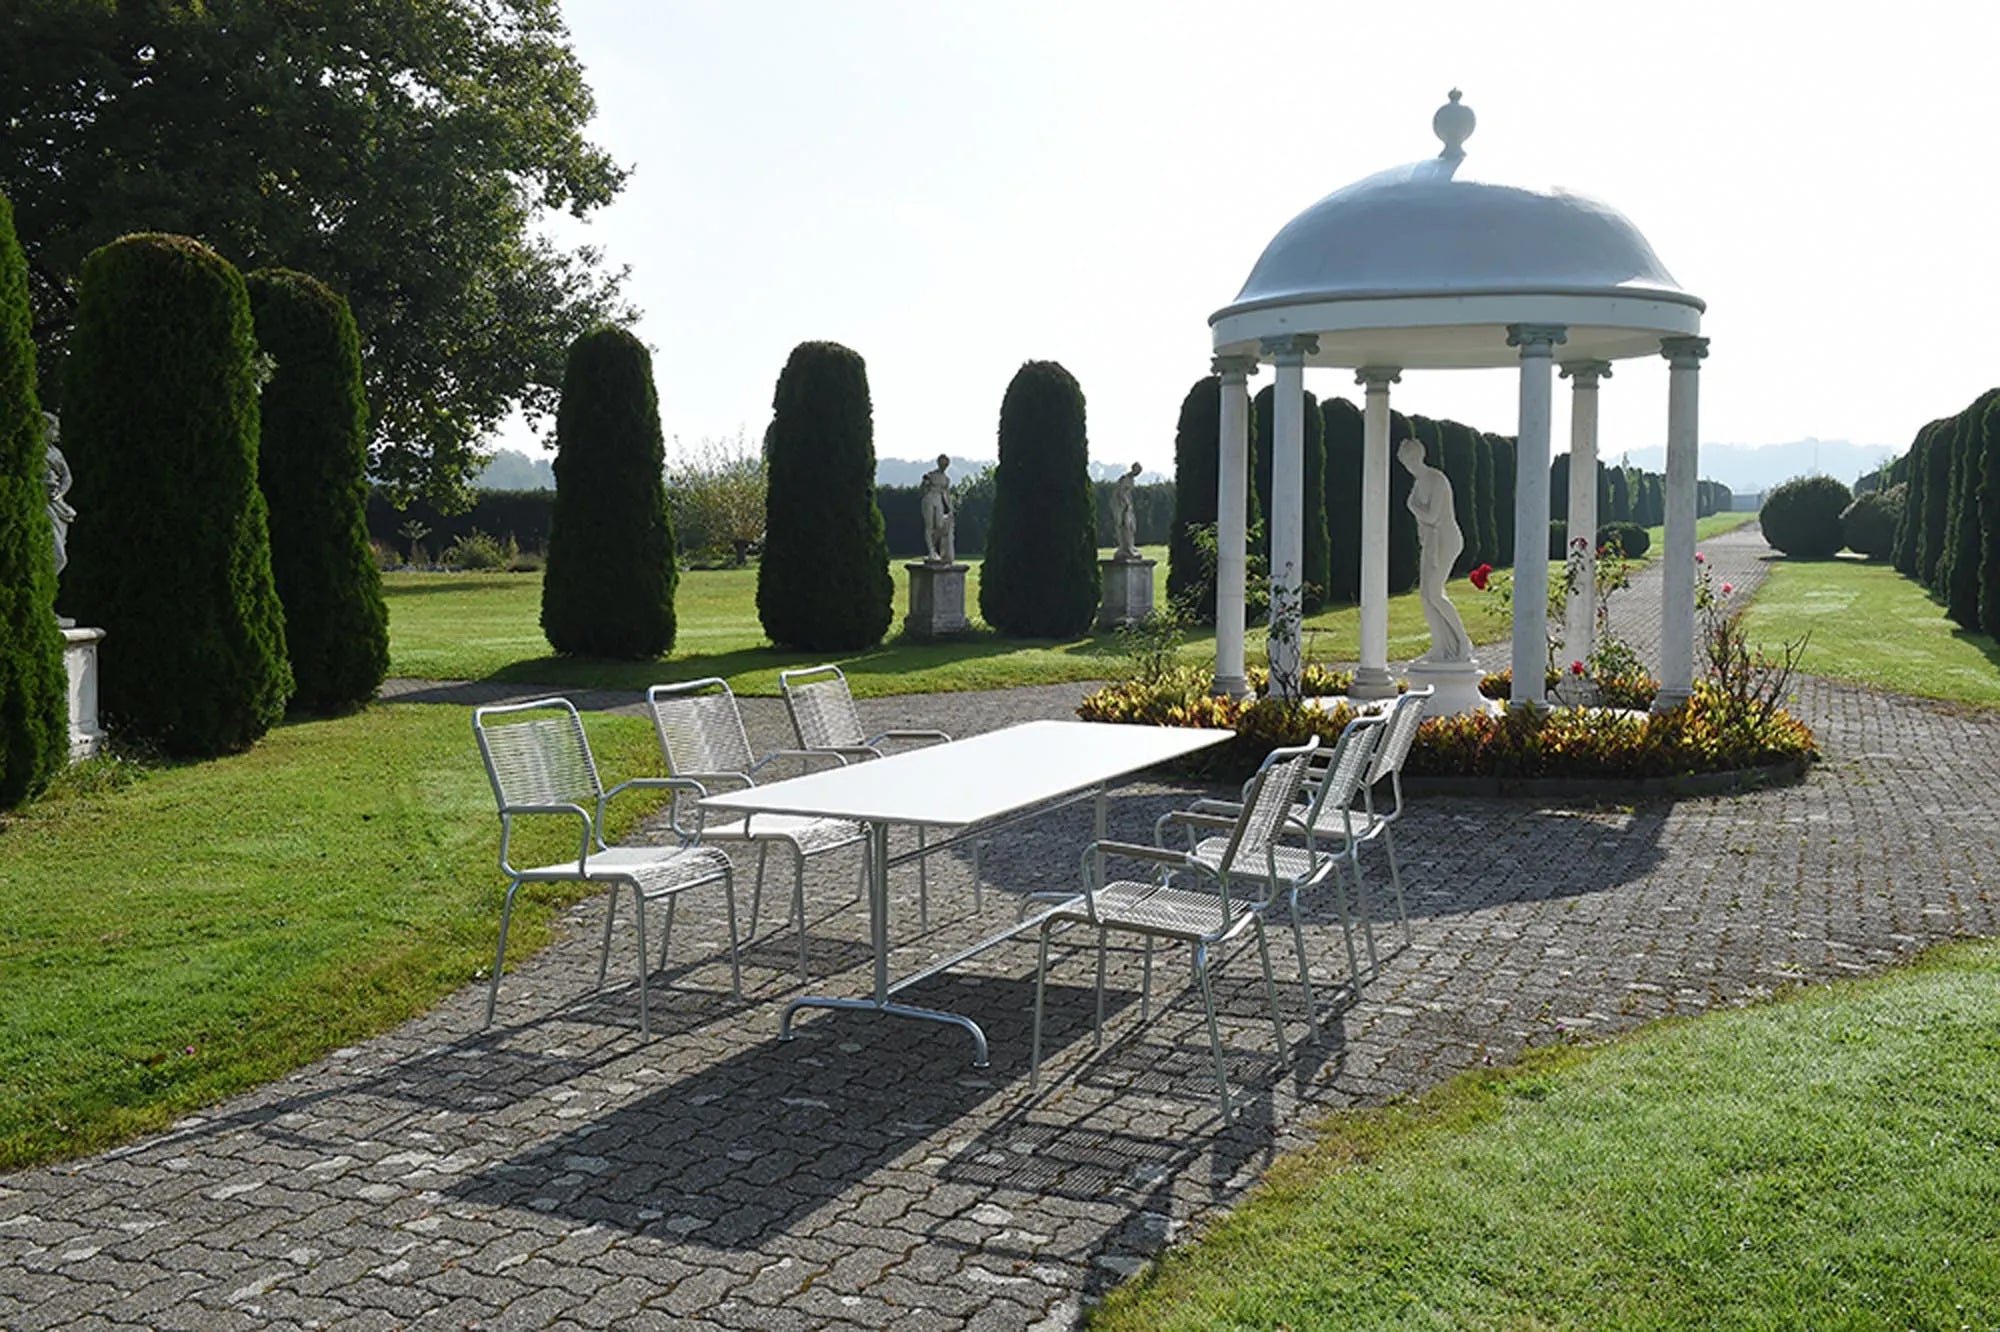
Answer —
953 188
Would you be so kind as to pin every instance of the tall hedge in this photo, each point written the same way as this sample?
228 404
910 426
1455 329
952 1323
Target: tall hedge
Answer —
312 465
1344 429
1619 510
823 584
1482 476
1989 514
1559 487
1317 575
608 590
1041 578
34 690
161 430
1503 498
1405 547
1197 458
1959 568
1909 527
1936 498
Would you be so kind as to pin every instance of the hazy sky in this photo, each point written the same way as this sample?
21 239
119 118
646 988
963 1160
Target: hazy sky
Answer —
953 188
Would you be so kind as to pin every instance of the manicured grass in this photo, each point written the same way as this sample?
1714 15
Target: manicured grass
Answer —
1826 1161
193 931
1871 625
487 626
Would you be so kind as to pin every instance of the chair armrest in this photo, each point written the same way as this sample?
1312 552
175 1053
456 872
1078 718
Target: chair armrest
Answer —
1229 809
838 757
1196 819
1159 855
847 752
927 736
678 785
507 813
705 782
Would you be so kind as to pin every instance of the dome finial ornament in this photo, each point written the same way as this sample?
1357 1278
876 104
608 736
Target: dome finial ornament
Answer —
1454 123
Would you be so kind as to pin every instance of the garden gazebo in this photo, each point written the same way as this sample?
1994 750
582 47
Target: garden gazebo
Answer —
1426 267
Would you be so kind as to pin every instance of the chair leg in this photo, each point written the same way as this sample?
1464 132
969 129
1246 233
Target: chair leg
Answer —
799 901
1365 909
1041 977
1214 1032
735 963
667 935
1097 1040
1271 990
1396 883
500 954
978 879
923 883
604 953
639 915
1146 983
757 893
1299 947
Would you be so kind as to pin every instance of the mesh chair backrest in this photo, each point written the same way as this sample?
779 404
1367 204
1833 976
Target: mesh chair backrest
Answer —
701 728
1347 770
823 712
1404 719
1267 805
542 759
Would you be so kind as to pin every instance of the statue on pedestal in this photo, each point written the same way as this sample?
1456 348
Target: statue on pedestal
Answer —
1441 542
61 515
940 528
1124 521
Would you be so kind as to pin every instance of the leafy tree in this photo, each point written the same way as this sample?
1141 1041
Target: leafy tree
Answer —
1317 574
312 463
1343 428
717 493
404 153
823 584
34 688
161 431
609 587
1041 578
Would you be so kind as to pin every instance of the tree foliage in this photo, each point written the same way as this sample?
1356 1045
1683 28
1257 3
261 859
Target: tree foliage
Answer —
716 490
1802 517
823 584
34 690
161 432
608 590
1041 578
1342 429
1869 524
403 153
1197 465
312 464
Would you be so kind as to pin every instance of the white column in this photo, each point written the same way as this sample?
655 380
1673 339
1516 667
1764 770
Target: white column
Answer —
1677 574
1371 677
1531 508
1580 615
1287 516
1232 491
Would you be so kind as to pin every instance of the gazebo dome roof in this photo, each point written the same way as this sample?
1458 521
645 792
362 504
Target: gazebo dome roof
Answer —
1430 246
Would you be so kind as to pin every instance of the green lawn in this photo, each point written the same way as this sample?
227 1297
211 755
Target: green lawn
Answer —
1871 625
1832 1160
193 931
487 626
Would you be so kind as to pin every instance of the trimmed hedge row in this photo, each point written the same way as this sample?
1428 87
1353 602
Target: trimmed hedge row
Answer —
1948 528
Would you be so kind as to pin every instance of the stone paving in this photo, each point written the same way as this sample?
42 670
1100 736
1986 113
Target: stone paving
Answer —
559 1171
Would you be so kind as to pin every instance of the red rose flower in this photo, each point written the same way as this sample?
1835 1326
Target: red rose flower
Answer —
1576 668
1479 576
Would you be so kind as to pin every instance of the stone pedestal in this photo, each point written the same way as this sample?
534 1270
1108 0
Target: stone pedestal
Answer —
80 656
1457 686
1128 592
937 600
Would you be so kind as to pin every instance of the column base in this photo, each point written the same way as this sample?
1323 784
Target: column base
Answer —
1373 682
937 600
1669 699
1230 686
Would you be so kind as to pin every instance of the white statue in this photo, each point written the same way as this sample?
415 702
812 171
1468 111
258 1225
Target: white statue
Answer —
1124 521
940 528
1437 530
61 515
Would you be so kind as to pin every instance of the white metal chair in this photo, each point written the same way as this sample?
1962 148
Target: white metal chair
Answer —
701 733
1346 831
1334 779
538 760
1205 917
825 720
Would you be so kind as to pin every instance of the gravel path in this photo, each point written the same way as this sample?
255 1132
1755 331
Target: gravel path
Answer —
559 1171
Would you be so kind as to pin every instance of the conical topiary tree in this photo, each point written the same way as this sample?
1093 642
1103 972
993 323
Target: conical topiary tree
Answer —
1342 427
1482 478
1041 578
34 689
1912 467
1197 458
1405 546
1936 497
823 584
1503 499
160 425
608 589
312 465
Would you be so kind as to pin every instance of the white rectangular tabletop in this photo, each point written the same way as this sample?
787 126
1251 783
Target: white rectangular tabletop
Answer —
976 779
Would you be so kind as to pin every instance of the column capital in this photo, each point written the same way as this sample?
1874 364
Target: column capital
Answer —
1684 353
1378 377
1537 339
1585 373
1233 367
1294 347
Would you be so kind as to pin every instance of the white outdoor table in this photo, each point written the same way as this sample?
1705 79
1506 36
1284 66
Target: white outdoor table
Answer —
963 785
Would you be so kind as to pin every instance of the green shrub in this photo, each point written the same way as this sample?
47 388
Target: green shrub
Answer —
823 583
1197 458
1936 495
1957 577
1558 539
477 551
1989 513
161 426
1914 466
1405 547
312 465
609 587
1629 538
1342 428
1868 525
1483 480
1503 498
1455 454
1041 578
1802 517
34 688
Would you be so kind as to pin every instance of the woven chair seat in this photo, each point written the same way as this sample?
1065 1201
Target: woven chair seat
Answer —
808 835
655 869
1293 863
